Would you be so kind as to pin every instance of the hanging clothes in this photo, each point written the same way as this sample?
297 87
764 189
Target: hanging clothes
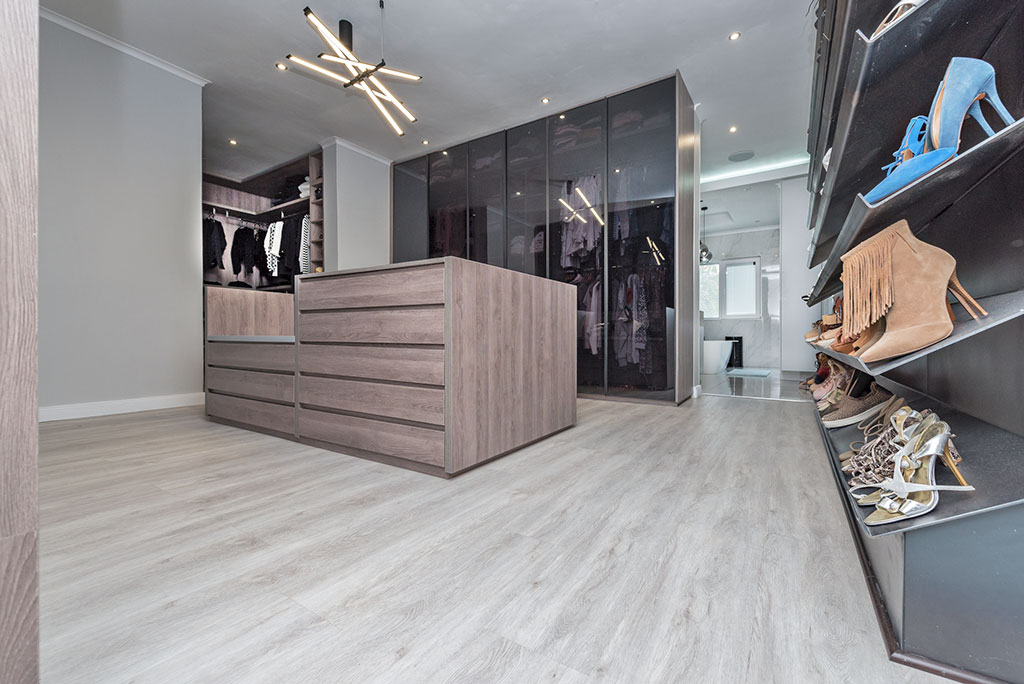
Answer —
214 244
581 231
272 246
592 318
304 261
243 251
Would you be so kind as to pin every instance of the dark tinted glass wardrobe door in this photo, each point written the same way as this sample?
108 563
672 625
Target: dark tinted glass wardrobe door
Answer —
487 199
577 149
527 198
448 202
641 241
409 211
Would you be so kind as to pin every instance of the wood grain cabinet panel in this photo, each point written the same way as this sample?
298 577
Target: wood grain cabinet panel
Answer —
418 404
420 365
251 412
398 287
388 326
259 384
391 439
254 355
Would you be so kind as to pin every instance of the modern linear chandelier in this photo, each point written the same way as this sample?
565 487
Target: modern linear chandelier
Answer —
361 75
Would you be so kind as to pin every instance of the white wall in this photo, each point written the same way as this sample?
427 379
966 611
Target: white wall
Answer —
120 280
357 201
797 279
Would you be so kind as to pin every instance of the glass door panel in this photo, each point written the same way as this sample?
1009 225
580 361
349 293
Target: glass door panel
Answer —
641 241
527 198
409 211
448 202
487 200
577 150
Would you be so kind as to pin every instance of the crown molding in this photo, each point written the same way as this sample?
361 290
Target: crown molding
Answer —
341 142
88 32
757 174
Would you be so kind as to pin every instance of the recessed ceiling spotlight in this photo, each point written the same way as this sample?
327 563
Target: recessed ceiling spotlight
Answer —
518 193
425 142
733 129
544 100
282 67
444 152
232 141
735 35
617 170
561 116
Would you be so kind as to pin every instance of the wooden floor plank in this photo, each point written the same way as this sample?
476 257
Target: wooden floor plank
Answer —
648 544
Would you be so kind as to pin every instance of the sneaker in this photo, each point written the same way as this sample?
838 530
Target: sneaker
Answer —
850 410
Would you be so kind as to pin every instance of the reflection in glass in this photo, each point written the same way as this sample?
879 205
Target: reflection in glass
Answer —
527 205
487 200
448 202
409 204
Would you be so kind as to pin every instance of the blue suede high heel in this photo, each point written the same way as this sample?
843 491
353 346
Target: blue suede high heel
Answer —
966 83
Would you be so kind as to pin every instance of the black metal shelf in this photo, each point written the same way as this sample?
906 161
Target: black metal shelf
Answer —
890 80
990 464
919 203
1001 308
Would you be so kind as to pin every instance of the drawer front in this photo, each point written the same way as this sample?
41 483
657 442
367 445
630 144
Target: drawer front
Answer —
419 404
422 445
398 287
258 356
251 412
259 384
394 326
421 365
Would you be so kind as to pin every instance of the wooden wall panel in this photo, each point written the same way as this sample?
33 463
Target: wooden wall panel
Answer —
422 365
511 361
233 311
251 412
396 287
254 355
19 408
403 441
274 386
389 326
417 404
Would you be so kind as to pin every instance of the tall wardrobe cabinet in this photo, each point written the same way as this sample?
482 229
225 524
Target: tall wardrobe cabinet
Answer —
600 196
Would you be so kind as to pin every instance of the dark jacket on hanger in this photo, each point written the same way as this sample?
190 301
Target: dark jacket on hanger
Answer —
291 246
243 251
214 244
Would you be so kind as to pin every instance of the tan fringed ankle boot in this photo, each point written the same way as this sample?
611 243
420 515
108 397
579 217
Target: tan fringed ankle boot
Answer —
895 275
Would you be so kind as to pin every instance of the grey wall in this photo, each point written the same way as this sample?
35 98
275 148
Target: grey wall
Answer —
797 279
357 207
761 337
120 280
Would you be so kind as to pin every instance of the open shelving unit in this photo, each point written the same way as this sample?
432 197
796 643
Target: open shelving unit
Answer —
889 80
947 585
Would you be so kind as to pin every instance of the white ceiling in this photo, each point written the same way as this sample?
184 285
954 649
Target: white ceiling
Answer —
485 67
741 207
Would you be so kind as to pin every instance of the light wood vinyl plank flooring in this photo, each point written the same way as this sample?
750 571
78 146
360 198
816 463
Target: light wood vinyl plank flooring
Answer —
701 543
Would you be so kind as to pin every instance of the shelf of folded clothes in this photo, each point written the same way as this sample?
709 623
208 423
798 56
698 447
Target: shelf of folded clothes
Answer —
921 201
990 464
890 80
1001 308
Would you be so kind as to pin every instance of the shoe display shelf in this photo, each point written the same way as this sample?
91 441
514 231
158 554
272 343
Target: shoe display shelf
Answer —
923 202
947 587
838 23
889 80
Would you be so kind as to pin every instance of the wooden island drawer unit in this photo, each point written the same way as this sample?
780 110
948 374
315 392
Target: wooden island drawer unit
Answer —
436 365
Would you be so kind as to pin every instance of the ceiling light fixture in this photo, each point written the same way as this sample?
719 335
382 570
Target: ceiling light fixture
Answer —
735 35
282 67
544 100
444 152
733 129
232 141
561 116
361 75
425 142
589 206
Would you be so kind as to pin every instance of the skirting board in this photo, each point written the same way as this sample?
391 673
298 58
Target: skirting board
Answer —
109 408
